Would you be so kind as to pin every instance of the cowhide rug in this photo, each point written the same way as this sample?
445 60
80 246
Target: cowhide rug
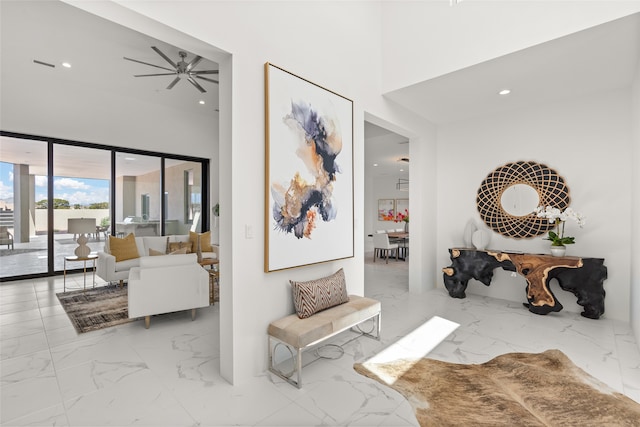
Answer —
514 389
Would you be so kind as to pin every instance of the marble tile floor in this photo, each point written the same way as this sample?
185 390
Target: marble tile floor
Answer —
31 257
169 375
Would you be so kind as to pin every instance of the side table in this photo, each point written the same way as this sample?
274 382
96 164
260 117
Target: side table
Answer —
214 276
582 276
73 258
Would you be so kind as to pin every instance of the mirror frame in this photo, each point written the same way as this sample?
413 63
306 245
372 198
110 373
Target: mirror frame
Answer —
552 191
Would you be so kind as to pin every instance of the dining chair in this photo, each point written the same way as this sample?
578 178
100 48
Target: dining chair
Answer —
381 243
377 252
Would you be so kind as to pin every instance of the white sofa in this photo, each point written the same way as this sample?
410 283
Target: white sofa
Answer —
111 271
164 284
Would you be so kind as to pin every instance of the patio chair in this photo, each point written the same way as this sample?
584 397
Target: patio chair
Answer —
6 238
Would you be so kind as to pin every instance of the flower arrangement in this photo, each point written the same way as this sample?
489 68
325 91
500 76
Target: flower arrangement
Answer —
558 217
402 216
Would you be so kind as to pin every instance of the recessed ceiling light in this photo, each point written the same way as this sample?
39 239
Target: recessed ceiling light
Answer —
401 170
201 102
66 65
129 158
504 92
375 164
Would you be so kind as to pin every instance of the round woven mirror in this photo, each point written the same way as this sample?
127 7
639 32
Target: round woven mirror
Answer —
508 196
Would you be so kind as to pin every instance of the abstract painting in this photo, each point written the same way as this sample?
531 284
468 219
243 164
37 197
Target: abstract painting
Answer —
309 172
386 209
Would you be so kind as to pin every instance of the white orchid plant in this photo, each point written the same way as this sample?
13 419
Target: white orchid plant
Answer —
558 217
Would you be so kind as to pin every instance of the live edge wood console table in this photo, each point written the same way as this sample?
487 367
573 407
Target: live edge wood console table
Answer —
584 277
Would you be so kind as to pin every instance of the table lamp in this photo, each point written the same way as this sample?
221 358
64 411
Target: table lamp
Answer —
81 227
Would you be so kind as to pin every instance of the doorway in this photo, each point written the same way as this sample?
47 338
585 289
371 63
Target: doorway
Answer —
387 196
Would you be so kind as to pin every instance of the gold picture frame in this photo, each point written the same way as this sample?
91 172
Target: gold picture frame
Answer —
308 172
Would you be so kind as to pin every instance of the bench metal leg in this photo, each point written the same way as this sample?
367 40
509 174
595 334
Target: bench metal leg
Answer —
297 363
299 368
376 327
296 353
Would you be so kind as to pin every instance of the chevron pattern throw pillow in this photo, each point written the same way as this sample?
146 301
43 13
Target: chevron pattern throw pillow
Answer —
316 295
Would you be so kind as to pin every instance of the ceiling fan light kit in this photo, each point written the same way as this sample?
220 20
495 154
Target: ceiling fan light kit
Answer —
182 70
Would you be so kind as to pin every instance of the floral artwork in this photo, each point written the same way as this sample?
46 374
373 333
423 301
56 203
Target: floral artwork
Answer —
402 210
386 210
309 172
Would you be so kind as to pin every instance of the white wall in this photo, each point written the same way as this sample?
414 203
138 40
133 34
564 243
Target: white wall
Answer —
347 60
281 33
635 209
436 38
588 142
64 112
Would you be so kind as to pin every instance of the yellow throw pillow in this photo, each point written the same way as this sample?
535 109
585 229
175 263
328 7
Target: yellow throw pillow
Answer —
205 241
123 249
176 246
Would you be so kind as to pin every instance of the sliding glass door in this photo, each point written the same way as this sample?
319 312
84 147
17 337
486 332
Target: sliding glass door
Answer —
183 196
79 193
49 186
23 207
138 200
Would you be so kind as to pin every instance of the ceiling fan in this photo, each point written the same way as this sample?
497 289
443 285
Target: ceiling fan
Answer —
181 69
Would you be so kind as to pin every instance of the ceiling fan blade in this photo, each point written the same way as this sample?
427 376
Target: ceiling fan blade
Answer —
146 63
204 72
194 62
151 75
195 83
204 78
173 83
166 58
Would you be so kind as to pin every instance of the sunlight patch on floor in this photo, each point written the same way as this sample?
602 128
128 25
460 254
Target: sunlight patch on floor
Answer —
416 344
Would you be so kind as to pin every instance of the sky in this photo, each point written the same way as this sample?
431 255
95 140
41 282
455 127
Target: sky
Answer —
75 190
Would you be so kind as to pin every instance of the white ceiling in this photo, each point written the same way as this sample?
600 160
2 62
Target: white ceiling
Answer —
600 58
54 32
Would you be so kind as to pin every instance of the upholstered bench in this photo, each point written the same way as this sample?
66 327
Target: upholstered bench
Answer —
318 323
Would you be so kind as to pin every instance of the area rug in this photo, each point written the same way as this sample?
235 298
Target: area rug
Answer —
514 389
96 308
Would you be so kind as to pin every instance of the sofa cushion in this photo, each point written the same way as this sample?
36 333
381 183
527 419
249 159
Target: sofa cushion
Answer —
205 241
175 246
127 264
153 252
123 248
157 243
316 295
168 261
